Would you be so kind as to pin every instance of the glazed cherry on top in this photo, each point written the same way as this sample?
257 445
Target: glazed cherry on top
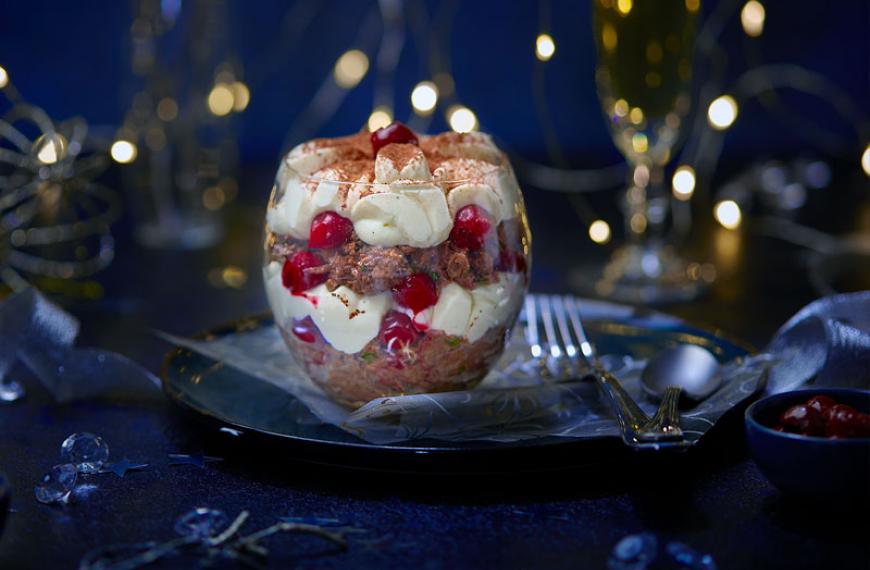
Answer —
395 132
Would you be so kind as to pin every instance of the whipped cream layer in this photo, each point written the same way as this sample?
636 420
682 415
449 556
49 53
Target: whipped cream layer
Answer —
349 321
395 198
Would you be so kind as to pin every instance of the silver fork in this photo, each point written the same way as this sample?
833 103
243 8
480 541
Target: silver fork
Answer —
565 346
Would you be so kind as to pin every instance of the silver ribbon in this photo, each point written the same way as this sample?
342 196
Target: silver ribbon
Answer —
41 335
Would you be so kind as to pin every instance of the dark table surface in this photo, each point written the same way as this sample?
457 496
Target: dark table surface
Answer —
713 498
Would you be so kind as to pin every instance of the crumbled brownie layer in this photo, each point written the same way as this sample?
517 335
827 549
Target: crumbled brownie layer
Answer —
368 269
435 363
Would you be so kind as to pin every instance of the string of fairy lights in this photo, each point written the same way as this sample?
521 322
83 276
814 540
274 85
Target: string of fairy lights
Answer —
439 92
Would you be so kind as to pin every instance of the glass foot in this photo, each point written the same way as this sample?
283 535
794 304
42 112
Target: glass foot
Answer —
10 391
646 274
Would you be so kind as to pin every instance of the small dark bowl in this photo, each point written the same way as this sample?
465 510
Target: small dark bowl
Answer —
814 468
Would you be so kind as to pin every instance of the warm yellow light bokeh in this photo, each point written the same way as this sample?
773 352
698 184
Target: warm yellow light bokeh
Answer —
350 68
728 214
722 112
683 182
461 119
599 231
380 117
752 18
545 47
123 151
221 100
424 97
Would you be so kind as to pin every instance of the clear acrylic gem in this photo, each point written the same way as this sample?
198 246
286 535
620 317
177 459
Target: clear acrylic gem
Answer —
634 552
201 523
88 452
56 485
687 558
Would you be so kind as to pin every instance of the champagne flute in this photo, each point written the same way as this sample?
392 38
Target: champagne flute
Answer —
643 76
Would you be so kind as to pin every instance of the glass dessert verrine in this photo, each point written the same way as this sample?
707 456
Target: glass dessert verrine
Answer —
396 264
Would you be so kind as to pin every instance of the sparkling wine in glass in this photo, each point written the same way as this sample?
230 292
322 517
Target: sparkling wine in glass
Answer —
644 78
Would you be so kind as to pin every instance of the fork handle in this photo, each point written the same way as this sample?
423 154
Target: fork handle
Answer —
666 423
629 415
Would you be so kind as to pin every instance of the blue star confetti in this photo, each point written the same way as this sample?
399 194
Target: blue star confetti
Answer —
120 468
197 459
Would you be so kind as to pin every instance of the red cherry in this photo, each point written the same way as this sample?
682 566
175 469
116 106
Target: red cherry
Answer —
395 132
397 331
416 292
471 227
803 419
821 403
305 330
844 421
328 230
511 261
295 274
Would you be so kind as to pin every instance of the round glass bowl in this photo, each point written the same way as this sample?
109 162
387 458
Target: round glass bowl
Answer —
400 271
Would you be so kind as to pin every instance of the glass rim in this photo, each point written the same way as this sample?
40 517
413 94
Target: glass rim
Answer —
503 166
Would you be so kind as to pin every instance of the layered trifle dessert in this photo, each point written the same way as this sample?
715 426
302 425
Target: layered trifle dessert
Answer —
395 263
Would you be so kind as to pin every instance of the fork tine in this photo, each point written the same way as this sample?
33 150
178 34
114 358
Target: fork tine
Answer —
570 348
549 327
577 325
532 335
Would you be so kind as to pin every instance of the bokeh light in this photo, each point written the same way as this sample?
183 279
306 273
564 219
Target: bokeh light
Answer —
380 117
865 160
461 119
221 100
123 151
4 77
624 6
683 182
350 68
424 97
722 112
728 214
241 96
50 148
752 18
599 231
167 109
545 47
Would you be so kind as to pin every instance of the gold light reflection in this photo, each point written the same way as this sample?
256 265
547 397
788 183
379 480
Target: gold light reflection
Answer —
220 100
865 160
624 6
752 18
4 77
636 115
654 52
693 5
380 117
545 47
461 119
50 148
620 108
608 37
213 198
637 222
167 109
639 143
424 97
683 182
599 232
350 68
241 96
722 112
728 214
227 276
123 151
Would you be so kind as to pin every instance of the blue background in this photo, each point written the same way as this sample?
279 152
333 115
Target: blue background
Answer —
72 58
